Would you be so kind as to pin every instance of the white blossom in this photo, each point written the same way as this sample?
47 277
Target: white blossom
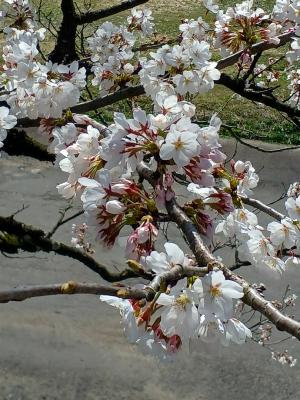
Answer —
217 294
283 233
179 315
292 206
127 314
163 262
179 145
7 121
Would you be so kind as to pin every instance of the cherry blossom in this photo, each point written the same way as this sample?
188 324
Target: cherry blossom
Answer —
129 322
162 262
179 315
180 145
7 121
293 207
283 233
217 293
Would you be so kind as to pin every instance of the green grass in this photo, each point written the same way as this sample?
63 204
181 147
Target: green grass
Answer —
251 120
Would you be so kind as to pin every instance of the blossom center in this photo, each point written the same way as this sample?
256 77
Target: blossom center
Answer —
187 79
263 244
178 144
215 291
243 216
182 301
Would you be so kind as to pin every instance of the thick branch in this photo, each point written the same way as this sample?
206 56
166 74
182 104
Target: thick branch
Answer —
92 16
256 48
238 86
253 299
65 47
18 143
18 236
191 234
100 102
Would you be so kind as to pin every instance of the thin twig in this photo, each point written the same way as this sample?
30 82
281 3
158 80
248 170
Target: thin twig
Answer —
258 148
60 221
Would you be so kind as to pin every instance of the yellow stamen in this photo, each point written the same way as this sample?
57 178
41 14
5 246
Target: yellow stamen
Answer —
215 291
178 144
182 301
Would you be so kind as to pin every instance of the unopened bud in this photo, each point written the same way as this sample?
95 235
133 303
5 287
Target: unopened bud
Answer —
68 287
135 266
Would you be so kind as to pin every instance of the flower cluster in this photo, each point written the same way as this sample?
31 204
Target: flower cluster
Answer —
183 68
79 238
141 20
20 11
185 312
284 358
275 246
266 74
36 89
79 151
110 205
286 11
112 51
294 87
45 90
242 26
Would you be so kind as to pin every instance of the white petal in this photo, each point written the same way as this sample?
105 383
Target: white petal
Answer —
90 183
165 300
232 290
175 254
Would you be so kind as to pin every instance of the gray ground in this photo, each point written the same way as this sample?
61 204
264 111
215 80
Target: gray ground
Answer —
72 347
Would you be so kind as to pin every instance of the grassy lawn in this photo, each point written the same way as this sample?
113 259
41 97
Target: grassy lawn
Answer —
232 109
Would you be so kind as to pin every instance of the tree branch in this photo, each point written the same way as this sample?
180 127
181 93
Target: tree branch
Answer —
18 236
205 258
63 221
18 143
263 207
65 47
100 102
256 48
238 86
60 220
26 292
92 16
